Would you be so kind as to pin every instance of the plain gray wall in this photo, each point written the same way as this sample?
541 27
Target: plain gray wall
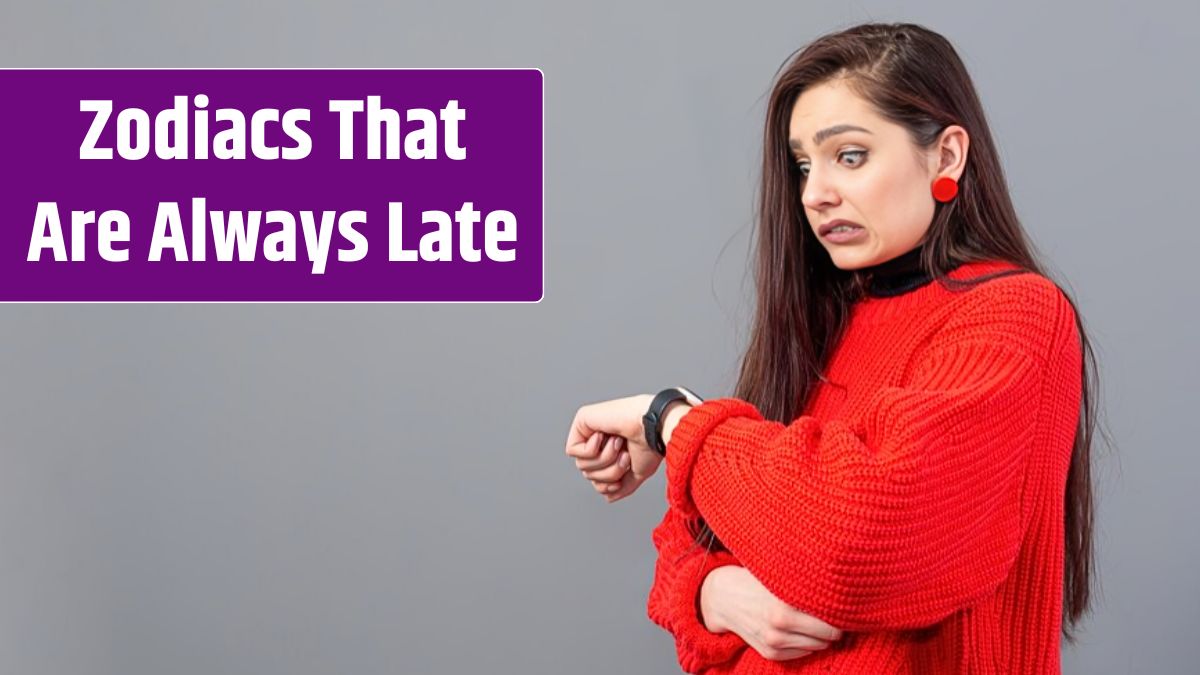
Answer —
295 489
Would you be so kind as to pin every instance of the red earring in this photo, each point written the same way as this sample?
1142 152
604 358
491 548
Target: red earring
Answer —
945 188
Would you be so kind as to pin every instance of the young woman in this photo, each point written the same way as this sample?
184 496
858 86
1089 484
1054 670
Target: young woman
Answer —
901 482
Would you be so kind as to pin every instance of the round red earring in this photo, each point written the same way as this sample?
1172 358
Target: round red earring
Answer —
945 188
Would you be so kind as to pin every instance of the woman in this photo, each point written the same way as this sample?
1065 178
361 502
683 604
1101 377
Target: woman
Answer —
901 482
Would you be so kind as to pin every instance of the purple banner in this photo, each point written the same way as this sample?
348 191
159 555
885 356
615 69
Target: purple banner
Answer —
272 186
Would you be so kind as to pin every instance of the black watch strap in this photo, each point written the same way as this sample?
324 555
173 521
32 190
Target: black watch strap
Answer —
653 419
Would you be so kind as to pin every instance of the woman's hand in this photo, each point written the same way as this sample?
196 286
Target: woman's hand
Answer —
733 600
608 443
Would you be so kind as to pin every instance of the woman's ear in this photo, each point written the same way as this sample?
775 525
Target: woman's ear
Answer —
951 151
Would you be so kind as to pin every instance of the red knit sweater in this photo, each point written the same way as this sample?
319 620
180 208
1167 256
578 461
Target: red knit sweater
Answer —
919 508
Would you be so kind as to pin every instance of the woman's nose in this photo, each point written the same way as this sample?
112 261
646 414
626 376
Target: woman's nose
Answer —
817 192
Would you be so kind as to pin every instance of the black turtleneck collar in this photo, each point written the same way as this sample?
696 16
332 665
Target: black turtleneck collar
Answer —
898 275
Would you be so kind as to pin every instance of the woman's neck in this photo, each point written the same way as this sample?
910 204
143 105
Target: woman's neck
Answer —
898 275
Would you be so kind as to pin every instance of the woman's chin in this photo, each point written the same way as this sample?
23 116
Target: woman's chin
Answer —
849 258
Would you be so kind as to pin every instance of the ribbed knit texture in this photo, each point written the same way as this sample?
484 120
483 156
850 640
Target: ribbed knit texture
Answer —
916 503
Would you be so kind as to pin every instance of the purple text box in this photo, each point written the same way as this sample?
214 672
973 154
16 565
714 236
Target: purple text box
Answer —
483 129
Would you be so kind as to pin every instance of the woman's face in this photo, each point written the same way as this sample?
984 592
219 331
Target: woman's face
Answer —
873 176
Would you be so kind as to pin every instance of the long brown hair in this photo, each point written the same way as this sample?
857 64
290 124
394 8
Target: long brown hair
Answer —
913 77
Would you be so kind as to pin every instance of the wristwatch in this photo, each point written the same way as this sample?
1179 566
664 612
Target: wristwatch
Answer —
653 419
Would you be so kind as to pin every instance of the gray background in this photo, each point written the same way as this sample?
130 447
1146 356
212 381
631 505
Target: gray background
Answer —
382 488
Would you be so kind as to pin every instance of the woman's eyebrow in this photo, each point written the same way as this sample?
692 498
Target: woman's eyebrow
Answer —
820 136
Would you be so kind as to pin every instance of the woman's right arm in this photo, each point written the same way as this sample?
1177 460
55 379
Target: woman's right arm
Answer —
715 608
673 603
731 599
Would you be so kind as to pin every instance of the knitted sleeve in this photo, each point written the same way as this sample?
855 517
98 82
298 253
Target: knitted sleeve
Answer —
674 595
900 516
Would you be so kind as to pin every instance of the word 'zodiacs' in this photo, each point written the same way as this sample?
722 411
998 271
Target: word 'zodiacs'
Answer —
235 235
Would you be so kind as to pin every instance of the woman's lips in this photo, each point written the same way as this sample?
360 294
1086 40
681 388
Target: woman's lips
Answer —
842 237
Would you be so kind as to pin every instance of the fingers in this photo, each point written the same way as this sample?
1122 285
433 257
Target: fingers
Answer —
807 624
800 642
603 457
606 477
621 417
626 487
610 468
792 633
606 489
608 455
583 444
784 654
612 472
583 441
609 474
781 645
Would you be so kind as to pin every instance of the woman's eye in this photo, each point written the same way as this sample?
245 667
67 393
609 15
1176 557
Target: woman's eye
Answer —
857 153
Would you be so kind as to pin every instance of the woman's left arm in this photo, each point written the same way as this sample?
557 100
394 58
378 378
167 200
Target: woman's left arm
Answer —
896 520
